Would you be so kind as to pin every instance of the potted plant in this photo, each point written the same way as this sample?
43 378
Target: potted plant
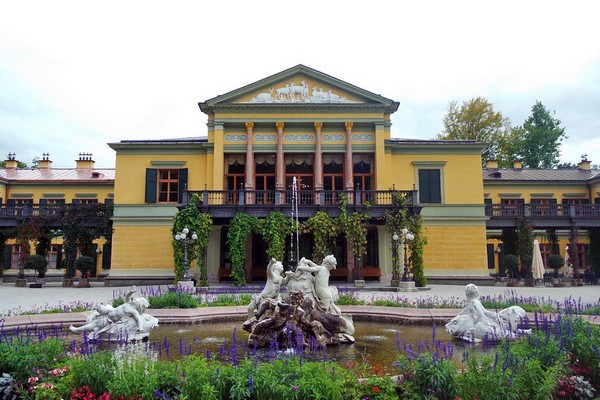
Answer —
556 262
84 264
38 263
511 266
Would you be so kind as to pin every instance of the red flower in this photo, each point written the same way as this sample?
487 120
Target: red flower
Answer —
375 389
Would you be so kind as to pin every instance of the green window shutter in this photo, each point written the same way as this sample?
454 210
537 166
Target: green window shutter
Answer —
429 186
43 201
183 177
151 184
7 256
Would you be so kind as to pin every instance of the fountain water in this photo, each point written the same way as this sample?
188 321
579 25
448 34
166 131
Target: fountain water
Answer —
294 238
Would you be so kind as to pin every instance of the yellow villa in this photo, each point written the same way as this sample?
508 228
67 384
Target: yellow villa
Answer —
306 130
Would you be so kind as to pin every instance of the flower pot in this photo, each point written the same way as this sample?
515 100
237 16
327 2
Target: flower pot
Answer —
67 282
84 283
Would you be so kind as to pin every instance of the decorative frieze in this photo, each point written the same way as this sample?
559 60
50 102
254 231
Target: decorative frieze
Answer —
333 138
363 138
265 138
235 138
299 138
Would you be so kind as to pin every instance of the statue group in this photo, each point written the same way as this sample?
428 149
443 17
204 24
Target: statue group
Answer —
307 312
474 323
128 321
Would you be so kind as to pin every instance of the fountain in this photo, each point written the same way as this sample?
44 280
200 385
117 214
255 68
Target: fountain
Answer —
307 314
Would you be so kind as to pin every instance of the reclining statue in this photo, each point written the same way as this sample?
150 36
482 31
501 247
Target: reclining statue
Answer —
474 323
125 322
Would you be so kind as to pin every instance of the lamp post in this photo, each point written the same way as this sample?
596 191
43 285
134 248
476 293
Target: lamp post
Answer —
396 261
406 237
182 237
501 272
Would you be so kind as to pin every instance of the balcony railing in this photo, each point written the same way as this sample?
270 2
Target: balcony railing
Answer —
13 211
544 215
368 198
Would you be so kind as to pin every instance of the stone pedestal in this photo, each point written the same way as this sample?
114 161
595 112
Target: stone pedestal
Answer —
185 285
406 286
359 283
21 283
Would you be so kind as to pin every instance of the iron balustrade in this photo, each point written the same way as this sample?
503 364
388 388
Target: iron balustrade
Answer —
543 210
305 197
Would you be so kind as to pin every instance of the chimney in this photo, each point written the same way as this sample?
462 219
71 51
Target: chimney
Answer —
491 163
11 161
85 161
584 164
45 162
518 165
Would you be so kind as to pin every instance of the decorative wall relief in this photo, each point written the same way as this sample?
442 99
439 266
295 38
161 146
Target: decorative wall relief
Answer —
295 138
363 138
235 138
265 138
332 138
299 93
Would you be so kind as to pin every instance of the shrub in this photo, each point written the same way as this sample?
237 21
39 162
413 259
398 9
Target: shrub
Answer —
39 263
85 264
556 262
511 265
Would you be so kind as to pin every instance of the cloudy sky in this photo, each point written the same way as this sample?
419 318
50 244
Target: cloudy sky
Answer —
76 75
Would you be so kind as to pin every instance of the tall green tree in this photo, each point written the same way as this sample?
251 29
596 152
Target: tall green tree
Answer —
539 147
476 120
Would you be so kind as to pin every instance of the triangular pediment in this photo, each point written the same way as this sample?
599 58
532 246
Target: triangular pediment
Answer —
299 85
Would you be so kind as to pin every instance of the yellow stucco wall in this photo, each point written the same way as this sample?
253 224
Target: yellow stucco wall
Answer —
143 248
462 183
69 191
497 192
130 178
455 250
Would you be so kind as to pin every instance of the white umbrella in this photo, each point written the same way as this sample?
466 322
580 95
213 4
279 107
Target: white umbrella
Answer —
537 265
568 266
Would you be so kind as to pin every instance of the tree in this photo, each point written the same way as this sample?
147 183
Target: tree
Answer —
476 120
539 146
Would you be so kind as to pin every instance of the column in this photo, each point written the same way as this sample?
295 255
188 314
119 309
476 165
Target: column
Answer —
348 165
280 165
318 166
249 157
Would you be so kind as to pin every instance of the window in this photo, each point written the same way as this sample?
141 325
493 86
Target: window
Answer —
265 180
165 185
234 178
50 206
430 186
541 207
86 201
512 206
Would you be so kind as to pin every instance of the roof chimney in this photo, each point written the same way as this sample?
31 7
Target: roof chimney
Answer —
11 161
45 162
584 164
491 163
85 161
518 165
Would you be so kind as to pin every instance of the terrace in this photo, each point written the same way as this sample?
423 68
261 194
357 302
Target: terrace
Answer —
53 214
543 215
259 203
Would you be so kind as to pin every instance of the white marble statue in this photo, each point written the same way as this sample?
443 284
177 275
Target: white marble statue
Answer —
270 294
326 295
308 307
474 323
125 322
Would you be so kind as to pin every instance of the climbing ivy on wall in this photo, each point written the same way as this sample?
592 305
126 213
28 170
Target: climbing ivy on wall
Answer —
240 229
525 246
324 230
354 227
201 224
594 249
274 230
397 218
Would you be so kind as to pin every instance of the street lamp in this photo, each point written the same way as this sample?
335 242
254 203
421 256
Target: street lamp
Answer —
396 260
182 237
406 237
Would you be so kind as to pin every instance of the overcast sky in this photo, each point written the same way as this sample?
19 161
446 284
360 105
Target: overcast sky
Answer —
76 75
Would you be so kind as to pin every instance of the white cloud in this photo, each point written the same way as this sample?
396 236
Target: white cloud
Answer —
77 75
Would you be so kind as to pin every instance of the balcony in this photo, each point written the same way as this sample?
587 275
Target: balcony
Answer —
259 203
51 214
543 215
